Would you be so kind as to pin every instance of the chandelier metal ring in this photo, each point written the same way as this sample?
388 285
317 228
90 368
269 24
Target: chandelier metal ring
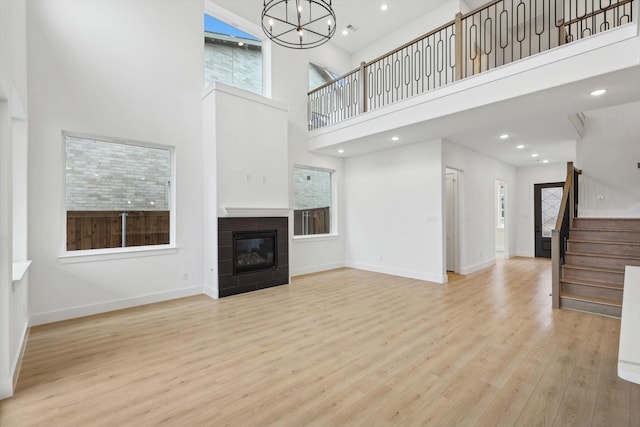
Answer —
298 24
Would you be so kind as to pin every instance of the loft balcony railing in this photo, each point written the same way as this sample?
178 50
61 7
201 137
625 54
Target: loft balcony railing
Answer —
491 36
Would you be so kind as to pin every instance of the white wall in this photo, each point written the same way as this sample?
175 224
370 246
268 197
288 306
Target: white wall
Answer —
417 28
13 151
245 137
394 211
477 207
526 178
6 303
609 155
252 149
290 85
131 70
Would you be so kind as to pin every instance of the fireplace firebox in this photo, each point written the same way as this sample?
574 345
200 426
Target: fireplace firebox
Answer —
253 251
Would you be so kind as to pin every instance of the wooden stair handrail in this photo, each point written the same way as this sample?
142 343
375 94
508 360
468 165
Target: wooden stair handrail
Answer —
564 222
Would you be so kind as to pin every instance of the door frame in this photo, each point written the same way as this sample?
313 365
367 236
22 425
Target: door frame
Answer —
453 263
505 234
537 218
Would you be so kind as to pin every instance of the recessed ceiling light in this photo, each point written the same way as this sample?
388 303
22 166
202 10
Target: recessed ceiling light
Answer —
240 44
384 6
598 92
395 138
341 151
504 136
545 161
535 155
520 147
345 32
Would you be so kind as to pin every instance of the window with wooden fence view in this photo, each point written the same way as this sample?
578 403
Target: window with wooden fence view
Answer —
118 194
312 198
496 34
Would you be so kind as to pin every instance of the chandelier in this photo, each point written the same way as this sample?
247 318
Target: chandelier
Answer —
298 24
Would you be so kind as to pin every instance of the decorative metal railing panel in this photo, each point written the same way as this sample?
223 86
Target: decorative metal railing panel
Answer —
505 31
336 101
412 69
584 18
494 35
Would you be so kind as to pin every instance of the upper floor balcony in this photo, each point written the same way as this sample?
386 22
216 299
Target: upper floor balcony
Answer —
505 50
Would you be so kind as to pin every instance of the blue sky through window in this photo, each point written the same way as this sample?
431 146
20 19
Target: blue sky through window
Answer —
213 25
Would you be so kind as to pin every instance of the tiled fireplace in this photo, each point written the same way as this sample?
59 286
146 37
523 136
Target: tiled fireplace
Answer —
253 253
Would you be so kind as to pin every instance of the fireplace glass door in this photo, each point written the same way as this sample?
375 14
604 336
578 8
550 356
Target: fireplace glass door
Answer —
254 251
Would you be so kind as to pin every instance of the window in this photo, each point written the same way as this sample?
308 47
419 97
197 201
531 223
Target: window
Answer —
231 56
319 76
118 194
312 201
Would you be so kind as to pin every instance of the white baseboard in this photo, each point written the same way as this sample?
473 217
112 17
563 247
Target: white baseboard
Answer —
15 369
477 267
8 385
398 272
315 269
211 292
526 254
6 388
88 310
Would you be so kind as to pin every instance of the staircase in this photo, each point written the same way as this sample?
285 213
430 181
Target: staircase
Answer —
598 249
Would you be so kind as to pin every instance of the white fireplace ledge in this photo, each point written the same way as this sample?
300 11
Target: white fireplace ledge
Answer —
228 212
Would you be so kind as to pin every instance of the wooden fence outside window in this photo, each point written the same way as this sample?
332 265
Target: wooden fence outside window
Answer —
104 229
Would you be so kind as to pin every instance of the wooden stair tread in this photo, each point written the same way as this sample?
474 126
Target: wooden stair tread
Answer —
605 242
601 269
597 255
593 300
593 283
619 230
607 218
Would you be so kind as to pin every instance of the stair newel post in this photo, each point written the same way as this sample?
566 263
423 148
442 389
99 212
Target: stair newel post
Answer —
559 234
572 199
576 202
363 79
555 268
459 44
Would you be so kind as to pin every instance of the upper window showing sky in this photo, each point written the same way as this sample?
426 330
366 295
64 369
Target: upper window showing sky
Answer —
213 25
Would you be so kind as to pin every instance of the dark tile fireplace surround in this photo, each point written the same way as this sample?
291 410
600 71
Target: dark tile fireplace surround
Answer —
261 260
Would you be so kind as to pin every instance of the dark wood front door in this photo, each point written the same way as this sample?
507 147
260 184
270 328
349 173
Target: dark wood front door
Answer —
547 199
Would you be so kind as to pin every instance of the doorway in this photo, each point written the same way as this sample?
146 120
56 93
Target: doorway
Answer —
500 230
546 204
451 219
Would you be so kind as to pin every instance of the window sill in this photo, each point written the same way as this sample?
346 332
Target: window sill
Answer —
93 255
315 238
19 269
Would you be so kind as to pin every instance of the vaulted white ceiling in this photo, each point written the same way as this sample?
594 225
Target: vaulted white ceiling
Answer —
371 22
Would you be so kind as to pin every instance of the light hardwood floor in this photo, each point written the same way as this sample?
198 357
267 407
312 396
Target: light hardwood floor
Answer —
341 348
